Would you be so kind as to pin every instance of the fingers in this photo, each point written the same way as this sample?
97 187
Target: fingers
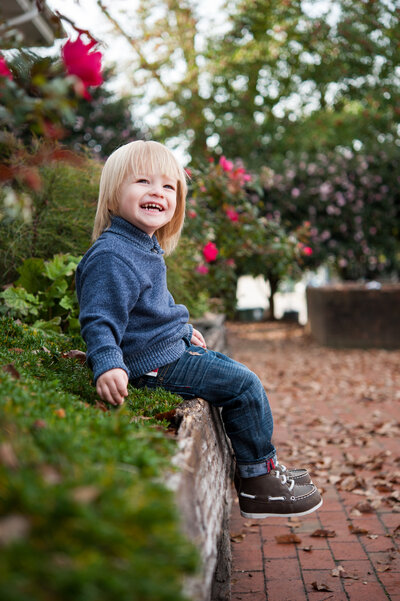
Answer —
198 339
112 387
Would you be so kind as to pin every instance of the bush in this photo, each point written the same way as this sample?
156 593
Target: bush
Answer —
352 204
63 211
232 237
84 515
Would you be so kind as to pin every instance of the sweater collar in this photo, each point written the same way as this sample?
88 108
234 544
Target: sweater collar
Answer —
120 226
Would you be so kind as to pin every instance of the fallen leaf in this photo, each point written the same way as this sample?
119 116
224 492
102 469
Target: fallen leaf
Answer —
12 528
372 536
339 571
75 354
16 350
284 539
357 529
85 494
238 537
307 549
60 412
10 368
8 456
364 507
39 423
250 524
384 568
50 475
323 533
321 587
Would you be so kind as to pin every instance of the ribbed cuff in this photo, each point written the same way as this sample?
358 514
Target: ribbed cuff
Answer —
105 360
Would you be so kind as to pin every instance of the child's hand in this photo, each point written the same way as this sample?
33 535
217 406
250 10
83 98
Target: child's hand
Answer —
197 339
112 386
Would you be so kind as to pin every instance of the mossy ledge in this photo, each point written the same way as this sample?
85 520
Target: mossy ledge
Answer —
92 505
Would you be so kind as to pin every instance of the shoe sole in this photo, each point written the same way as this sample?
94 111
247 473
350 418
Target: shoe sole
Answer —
261 516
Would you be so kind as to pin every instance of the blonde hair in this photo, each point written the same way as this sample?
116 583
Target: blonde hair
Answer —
140 157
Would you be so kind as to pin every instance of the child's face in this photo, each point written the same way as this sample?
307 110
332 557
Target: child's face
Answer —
148 201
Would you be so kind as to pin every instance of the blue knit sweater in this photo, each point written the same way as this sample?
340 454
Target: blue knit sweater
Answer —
128 317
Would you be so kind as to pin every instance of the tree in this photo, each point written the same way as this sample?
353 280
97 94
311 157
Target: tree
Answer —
277 80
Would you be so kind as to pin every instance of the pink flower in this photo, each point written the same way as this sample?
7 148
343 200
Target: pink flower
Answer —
225 164
203 269
188 172
191 213
4 70
232 214
210 252
86 65
230 262
307 250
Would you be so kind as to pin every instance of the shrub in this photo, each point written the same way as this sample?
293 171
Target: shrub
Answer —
226 222
352 204
63 210
84 515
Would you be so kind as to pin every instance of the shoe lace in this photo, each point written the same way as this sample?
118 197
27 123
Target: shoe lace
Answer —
284 479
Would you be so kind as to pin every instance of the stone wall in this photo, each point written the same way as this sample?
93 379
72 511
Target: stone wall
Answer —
203 484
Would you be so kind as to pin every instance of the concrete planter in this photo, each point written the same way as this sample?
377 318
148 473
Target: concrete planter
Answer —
203 484
350 315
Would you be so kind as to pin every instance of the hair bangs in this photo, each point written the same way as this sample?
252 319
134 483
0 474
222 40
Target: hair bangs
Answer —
153 158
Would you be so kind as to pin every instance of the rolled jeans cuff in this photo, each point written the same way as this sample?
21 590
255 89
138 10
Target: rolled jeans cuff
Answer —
252 470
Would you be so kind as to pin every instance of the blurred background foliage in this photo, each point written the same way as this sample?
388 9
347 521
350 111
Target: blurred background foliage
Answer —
306 105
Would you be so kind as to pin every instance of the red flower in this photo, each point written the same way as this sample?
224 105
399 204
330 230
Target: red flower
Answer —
232 214
188 172
210 252
4 70
192 213
225 164
307 250
203 269
84 64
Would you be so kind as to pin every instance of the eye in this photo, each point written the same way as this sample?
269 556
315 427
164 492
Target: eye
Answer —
169 186
142 180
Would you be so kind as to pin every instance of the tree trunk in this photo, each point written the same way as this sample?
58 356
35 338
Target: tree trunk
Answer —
273 282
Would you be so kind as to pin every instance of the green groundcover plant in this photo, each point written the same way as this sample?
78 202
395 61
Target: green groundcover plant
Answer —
84 514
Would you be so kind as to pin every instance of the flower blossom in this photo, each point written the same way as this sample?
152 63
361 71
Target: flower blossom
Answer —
4 70
210 252
241 175
203 269
307 250
225 164
86 65
232 214
191 213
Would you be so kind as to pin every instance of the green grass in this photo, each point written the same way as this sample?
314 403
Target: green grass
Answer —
83 511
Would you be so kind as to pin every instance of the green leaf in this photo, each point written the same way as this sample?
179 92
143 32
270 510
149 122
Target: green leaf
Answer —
67 302
53 325
20 300
60 265
32 275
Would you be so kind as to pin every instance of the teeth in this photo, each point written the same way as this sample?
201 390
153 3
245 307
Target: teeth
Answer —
152 206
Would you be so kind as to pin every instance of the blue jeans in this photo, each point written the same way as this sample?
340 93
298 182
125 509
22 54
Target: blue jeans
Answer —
224 383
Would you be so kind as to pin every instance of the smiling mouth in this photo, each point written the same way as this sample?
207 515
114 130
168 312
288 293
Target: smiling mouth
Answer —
151 206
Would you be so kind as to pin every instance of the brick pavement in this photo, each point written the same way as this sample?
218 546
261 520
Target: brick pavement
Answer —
354 422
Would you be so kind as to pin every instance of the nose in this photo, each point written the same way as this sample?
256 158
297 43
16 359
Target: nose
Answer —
157 189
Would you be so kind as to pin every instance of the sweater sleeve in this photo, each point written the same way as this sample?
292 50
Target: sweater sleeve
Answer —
108 290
